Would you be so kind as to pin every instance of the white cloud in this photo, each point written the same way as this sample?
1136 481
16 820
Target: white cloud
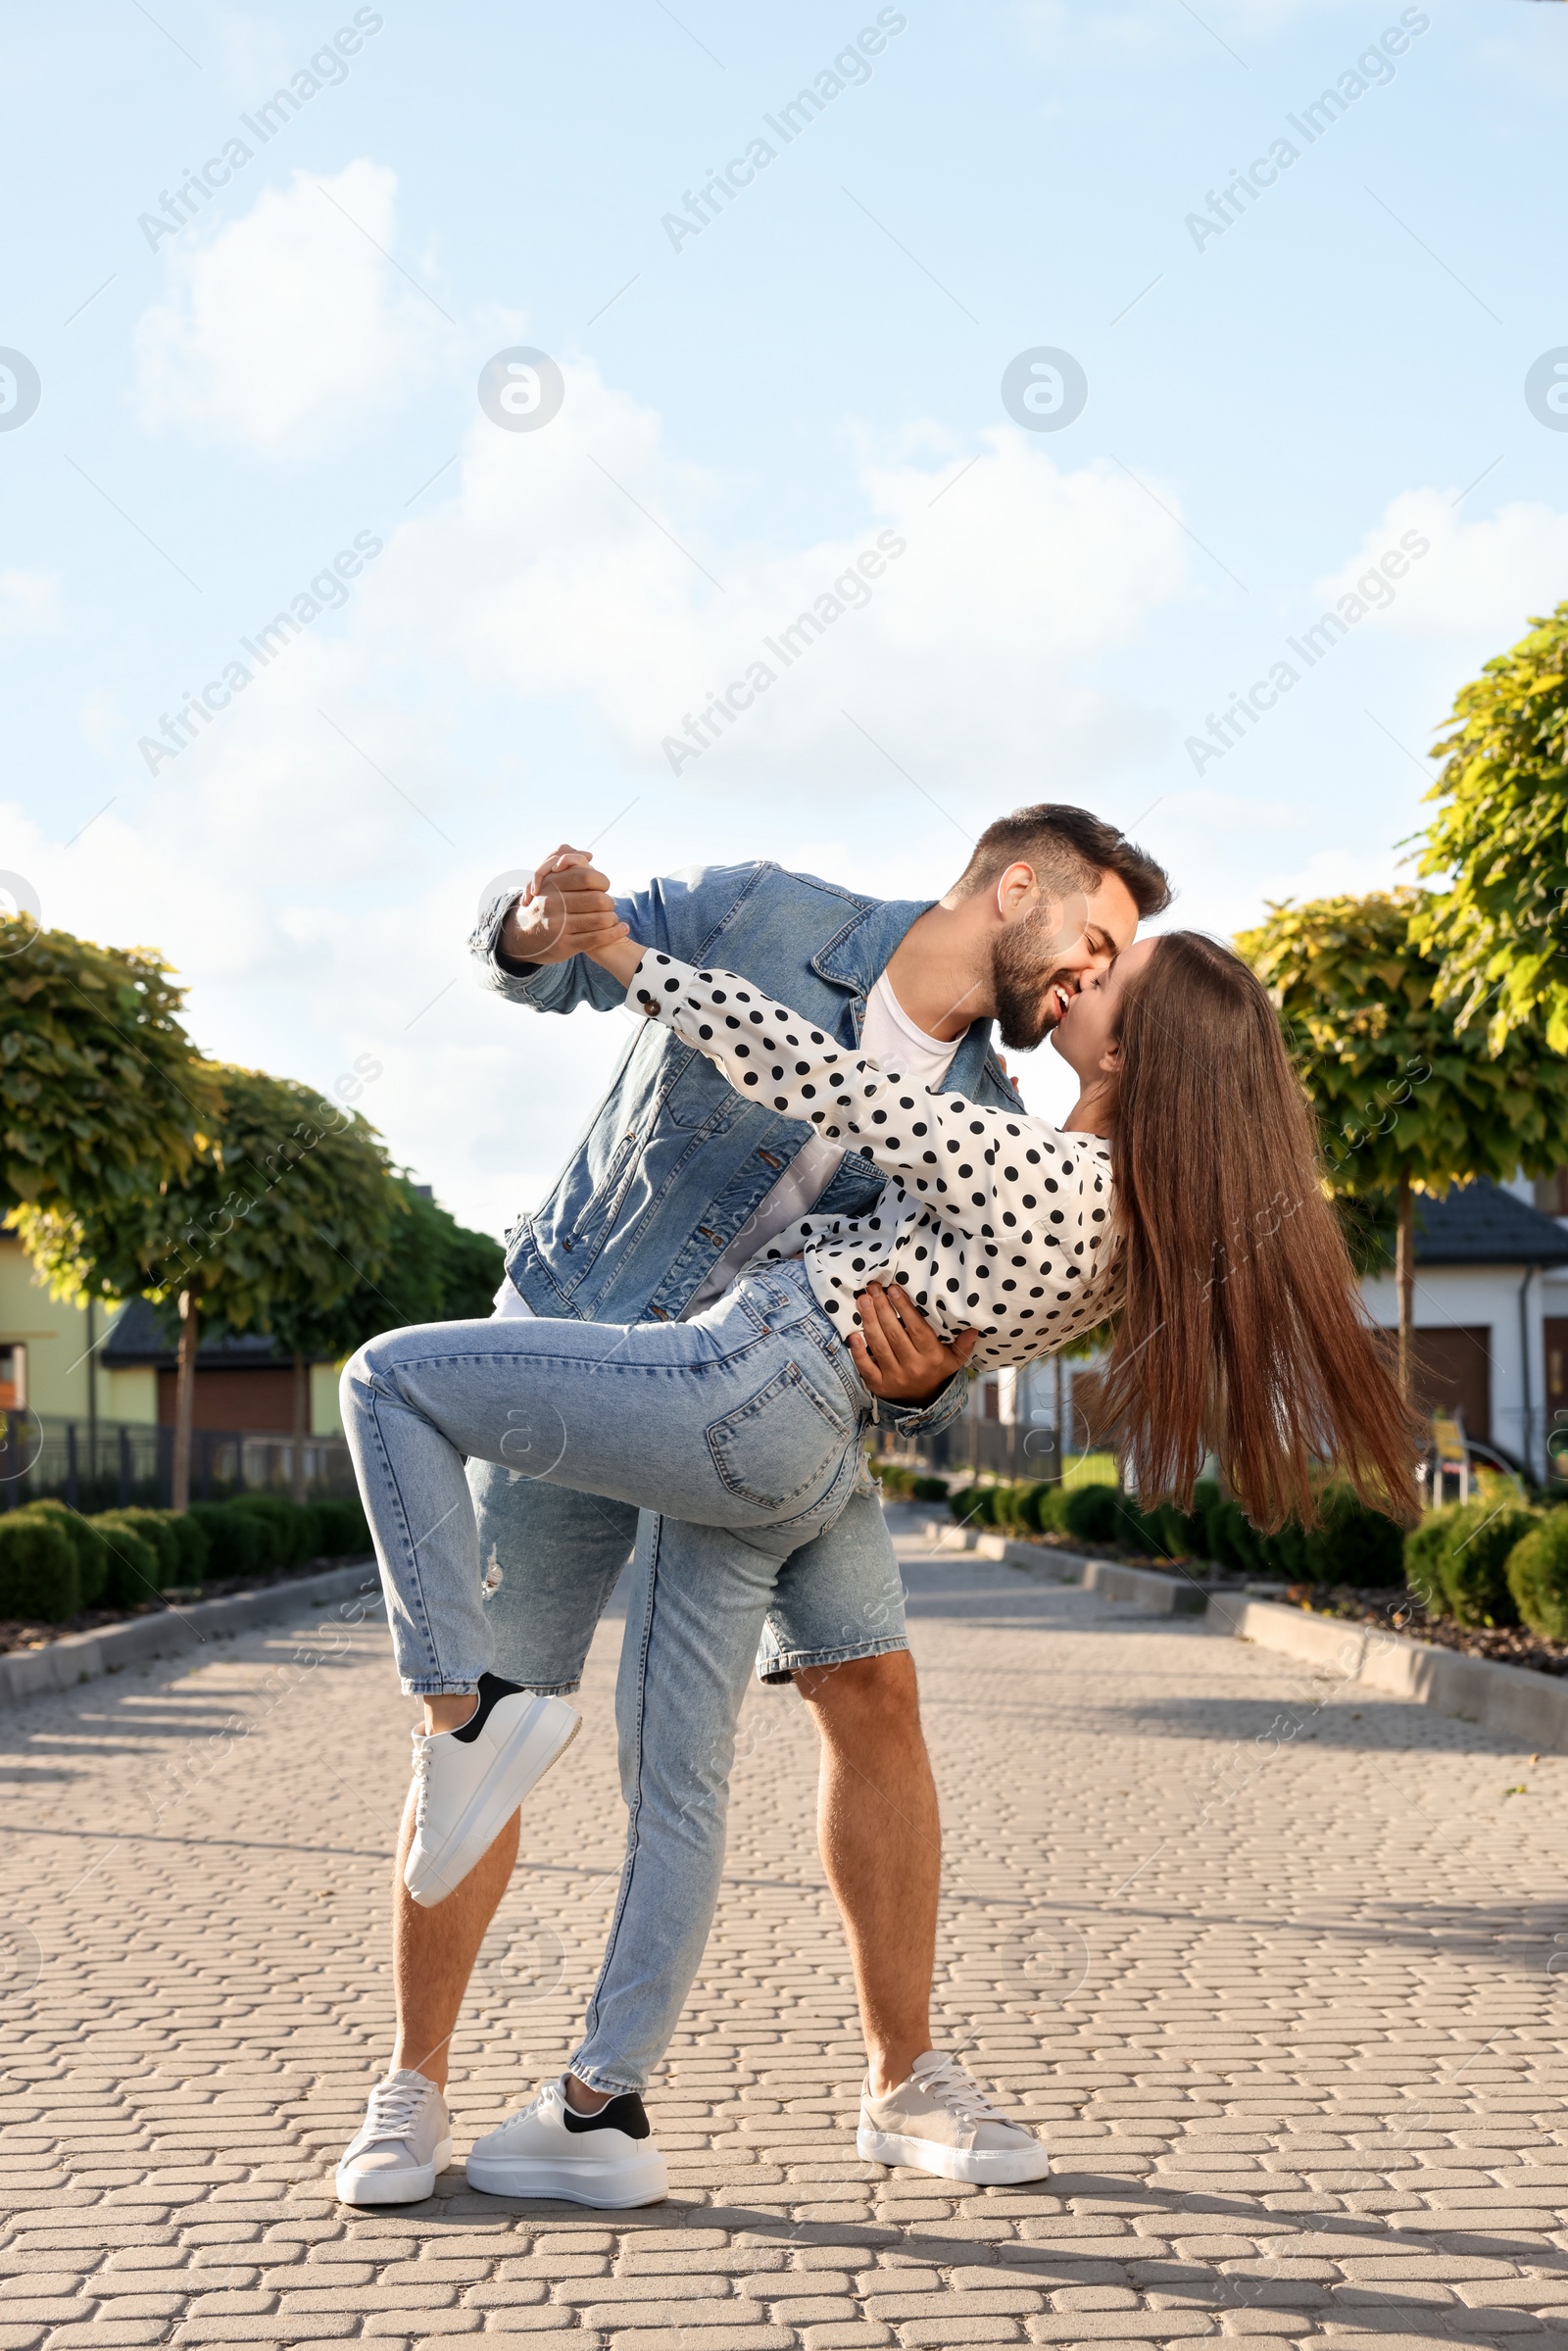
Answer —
1479 580
290 325
579 562
318 915
30 605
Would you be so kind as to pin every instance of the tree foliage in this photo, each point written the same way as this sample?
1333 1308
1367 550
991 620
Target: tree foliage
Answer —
433 1270
287 1205
1399 1091
1501 838
104 1092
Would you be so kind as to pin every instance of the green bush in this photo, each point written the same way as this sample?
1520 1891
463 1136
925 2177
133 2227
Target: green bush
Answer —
1473 1564
90 1550
341 1525
973 1505
1285 1554
1537 1576
1352 1544
177 1539
134 1567
1050 1503
1425 1547
192 1536
39 1581
298 1530
1207 1498
921 1489
1233 1540
238 1543
1015 1508
155 1529
1092 1513
1136 1528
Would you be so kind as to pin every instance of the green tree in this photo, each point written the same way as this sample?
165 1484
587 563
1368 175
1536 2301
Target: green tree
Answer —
287 1207
1407 1103
1501 838
104 1095
433 1270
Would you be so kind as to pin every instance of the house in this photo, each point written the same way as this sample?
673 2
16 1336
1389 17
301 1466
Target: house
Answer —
243 1379
1491 1335
1491 1314
116 1365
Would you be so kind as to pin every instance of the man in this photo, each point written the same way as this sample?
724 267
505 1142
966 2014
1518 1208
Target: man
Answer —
676 1184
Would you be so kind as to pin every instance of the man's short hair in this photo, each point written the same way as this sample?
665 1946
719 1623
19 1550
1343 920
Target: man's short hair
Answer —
1070 850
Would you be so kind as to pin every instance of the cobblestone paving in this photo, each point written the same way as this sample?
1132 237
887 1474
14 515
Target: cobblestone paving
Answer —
1269 1962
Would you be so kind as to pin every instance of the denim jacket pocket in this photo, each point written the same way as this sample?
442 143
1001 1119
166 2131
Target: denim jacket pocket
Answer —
782 1446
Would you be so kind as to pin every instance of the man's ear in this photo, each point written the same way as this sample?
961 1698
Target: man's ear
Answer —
1017 892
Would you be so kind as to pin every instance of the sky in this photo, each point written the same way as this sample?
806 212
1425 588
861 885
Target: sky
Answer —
1131 353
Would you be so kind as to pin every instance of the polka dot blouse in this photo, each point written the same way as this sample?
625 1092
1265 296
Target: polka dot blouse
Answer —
993 1221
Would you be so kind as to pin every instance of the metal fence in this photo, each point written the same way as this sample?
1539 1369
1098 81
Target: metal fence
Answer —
104 1465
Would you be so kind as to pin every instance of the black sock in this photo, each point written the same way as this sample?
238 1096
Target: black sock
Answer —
624 2113
491 1690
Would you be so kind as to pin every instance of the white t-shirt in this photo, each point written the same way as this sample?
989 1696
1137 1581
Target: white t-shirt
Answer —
888 1036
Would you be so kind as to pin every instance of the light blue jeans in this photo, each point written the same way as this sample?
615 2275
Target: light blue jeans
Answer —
742 1430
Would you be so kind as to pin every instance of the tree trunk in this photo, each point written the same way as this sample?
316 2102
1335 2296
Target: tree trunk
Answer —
184 1399
302 1425
1405 1283
1061 1434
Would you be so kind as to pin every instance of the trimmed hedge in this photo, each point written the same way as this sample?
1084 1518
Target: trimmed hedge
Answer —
1350 1543
1425 1547
237 1541
87 1543
135 1569
1538 1577
297 1530
54 1562
1473 1563
39 1581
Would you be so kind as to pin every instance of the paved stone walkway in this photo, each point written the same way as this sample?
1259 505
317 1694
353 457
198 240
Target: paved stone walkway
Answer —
1272 1965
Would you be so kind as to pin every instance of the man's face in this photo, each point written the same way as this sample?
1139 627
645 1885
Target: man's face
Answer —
1041 960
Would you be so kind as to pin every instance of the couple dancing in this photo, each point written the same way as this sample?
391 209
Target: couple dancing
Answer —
809 1197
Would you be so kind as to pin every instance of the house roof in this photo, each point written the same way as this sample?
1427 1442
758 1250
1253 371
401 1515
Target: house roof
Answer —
140 1338
1481 1224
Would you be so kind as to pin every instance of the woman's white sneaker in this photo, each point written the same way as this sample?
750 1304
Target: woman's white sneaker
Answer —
942 2120
403 2143
469 1782
605 2159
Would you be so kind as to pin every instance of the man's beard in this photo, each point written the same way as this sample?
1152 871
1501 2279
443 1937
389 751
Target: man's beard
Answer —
1024 975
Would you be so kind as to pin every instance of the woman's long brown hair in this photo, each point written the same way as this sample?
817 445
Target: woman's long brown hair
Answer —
1243 1329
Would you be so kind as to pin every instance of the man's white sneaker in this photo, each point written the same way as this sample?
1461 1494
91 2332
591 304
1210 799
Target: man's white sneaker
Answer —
469 1782
942 2120
607 2159
405 2140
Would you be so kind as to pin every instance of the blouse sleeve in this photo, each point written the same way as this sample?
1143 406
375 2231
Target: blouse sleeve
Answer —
983 1170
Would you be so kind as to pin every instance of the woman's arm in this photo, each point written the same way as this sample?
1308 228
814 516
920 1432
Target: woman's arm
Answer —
991 1172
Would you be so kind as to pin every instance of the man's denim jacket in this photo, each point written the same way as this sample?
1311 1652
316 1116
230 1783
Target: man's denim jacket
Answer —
673 1161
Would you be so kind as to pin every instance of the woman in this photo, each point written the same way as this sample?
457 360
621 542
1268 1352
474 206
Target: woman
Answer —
1239 1326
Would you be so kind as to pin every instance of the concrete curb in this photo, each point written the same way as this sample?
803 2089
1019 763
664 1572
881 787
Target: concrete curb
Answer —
1140 1588
1528 1707
83 1656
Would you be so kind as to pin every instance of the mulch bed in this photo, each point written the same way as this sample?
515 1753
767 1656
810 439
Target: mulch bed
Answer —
19 1636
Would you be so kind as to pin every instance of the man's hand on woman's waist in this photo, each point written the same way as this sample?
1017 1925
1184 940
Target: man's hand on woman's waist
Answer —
900 1356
